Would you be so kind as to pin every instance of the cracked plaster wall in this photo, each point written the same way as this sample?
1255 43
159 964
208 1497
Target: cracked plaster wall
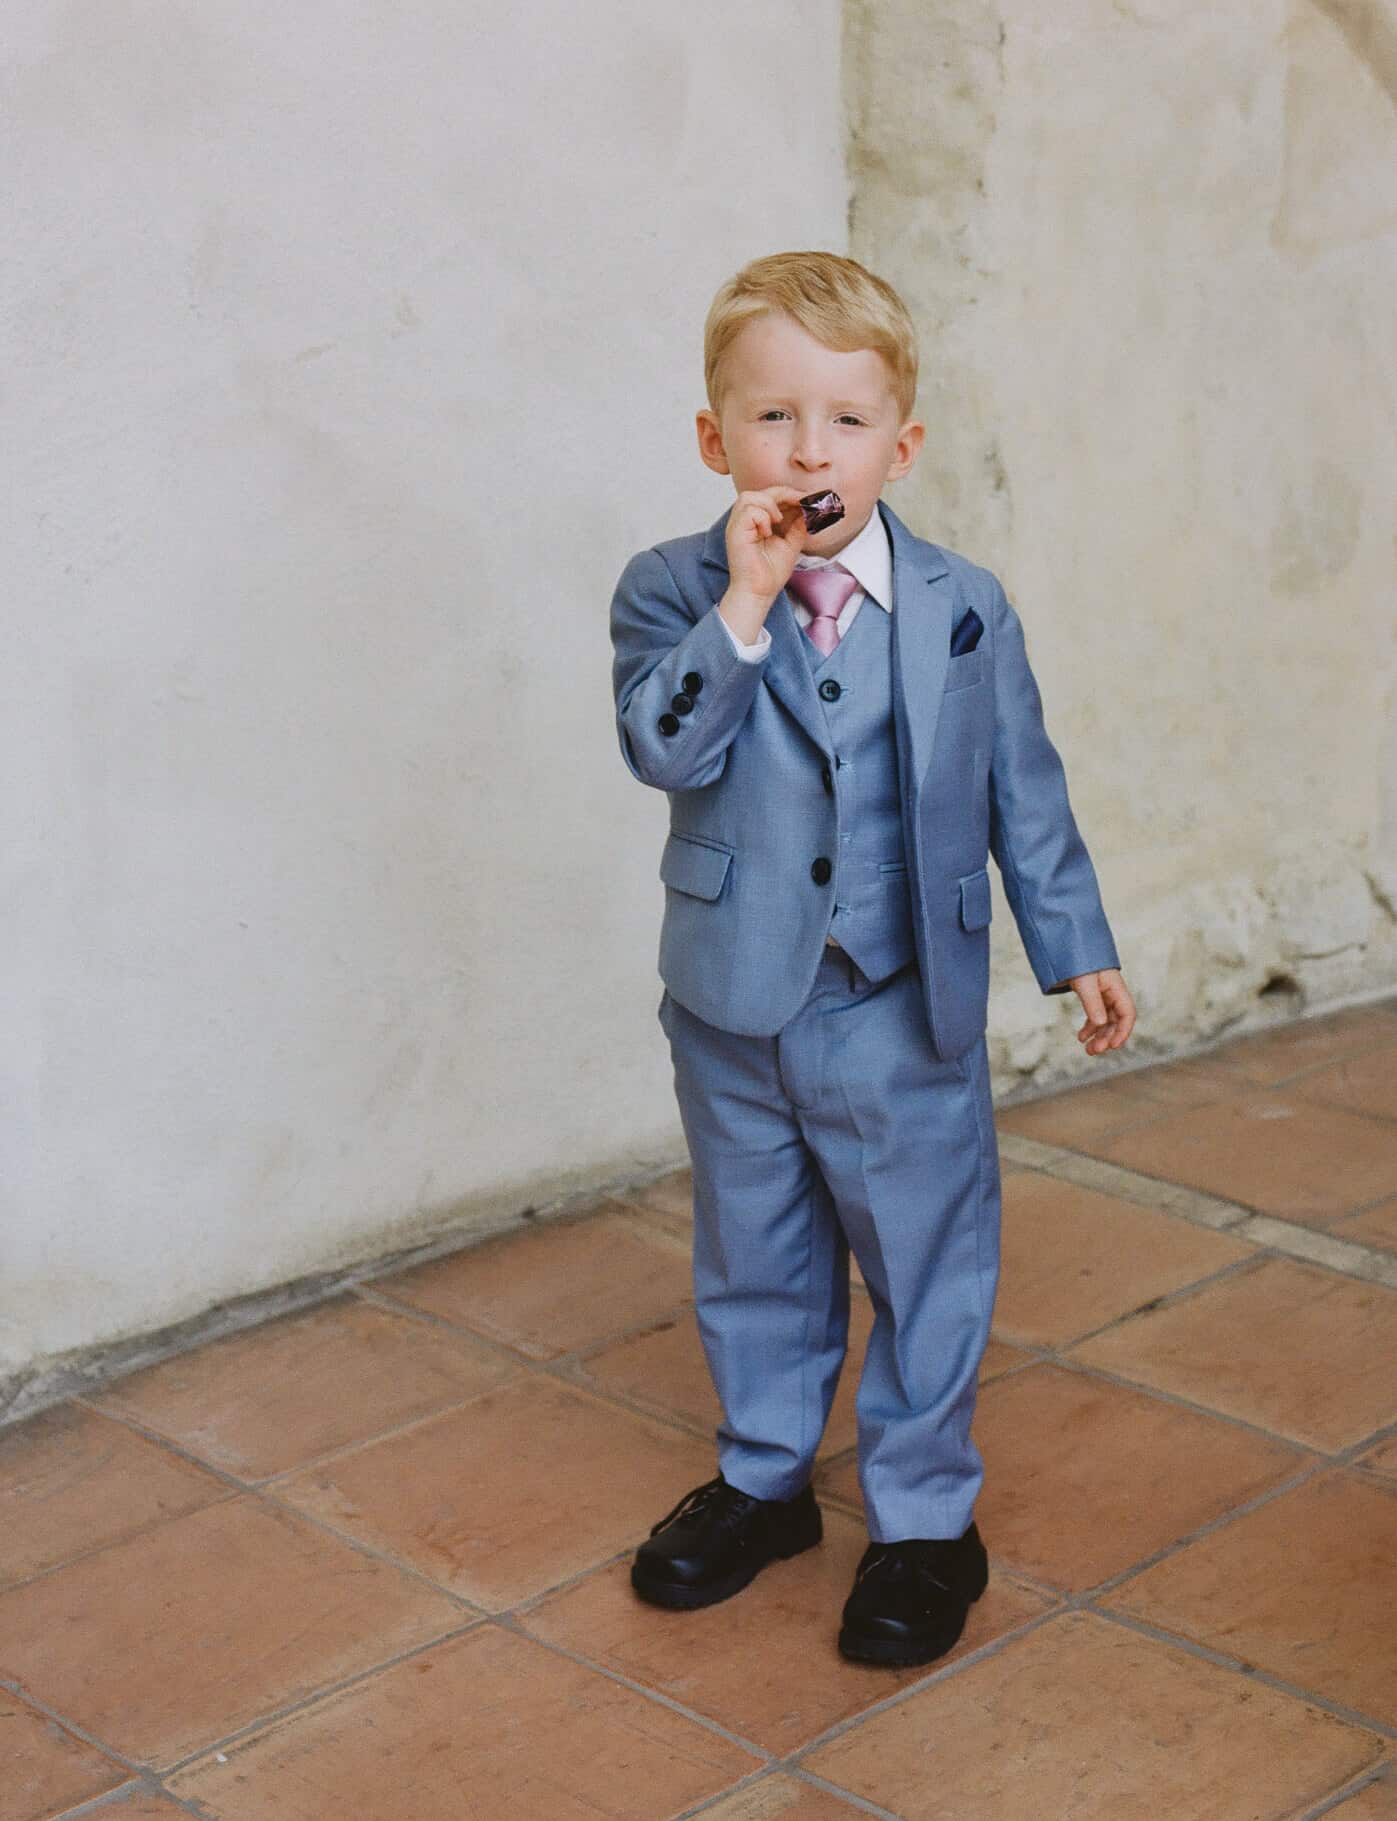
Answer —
1152 253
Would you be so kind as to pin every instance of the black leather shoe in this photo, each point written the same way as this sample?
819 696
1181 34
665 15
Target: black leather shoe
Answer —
716 1539
909 1599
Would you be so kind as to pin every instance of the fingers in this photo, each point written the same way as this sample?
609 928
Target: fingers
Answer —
1110 1011
771 511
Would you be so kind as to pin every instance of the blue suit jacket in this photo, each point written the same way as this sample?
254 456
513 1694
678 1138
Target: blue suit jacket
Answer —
741 750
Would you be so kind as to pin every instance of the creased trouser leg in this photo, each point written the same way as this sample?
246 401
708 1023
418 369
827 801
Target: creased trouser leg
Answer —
844 1130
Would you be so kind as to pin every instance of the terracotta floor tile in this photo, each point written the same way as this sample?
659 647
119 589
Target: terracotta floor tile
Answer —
1304 1586
556 1286
259 1402
489 1725
1083 1478
780 1797
1194 1080
1376 1227
1076 1116
1083 1718
1072 1258
1305 1043
71 1481
44 1769
1287 1346
1267 1150
182 1634
531 1483
764 1664
1365 1083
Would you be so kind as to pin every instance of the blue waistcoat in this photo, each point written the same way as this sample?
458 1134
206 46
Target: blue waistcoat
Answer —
872 900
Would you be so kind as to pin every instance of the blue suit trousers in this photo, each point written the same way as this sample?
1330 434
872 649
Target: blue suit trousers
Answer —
844 1132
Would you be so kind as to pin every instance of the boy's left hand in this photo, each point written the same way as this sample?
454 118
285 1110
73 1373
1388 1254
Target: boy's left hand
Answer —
1109 1008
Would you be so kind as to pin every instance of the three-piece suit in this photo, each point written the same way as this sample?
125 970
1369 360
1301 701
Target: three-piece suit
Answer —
825 958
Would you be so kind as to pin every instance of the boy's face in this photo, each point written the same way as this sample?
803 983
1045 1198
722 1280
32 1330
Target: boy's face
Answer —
797 414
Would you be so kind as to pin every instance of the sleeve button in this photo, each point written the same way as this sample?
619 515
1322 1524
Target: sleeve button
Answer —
682 704
693 683
669 723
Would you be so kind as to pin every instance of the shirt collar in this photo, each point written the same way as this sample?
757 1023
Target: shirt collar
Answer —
868 558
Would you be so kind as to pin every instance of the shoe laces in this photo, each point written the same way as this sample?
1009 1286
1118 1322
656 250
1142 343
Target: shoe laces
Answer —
913 1555
716 1501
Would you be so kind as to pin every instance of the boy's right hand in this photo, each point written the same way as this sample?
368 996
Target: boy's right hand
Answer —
766 533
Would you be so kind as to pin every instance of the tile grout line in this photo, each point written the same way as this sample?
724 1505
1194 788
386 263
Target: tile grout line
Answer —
506 1621
277 1716
1215 1055
1376 1773
860 1804
116 1799
789 1760
1347 1257
1250 1672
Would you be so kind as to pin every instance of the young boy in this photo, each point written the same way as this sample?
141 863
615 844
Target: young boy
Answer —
847 726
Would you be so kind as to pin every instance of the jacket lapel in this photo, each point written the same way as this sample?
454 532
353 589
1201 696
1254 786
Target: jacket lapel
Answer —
923 607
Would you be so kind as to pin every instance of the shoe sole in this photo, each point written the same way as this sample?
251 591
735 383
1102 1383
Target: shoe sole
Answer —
679 1597
904 1653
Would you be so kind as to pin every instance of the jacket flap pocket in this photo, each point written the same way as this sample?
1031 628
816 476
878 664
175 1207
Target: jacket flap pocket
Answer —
691 866
975 899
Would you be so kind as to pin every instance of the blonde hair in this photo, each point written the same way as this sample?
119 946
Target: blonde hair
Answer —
835 299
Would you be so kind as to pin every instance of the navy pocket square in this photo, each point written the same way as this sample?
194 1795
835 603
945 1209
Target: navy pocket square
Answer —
966 635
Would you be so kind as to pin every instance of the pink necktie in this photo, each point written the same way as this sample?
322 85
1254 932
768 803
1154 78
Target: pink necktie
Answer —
824 591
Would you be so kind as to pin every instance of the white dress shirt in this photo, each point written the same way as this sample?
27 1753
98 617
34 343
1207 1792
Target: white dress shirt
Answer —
868 558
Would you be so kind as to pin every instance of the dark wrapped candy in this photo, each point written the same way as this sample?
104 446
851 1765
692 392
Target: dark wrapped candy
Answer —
821 510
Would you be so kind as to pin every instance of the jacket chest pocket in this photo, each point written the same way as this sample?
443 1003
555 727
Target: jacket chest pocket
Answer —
693 866
961 672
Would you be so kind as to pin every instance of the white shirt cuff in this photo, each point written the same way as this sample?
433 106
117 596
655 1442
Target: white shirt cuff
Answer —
750 654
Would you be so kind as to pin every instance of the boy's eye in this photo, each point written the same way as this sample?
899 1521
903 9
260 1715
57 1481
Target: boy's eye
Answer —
845 417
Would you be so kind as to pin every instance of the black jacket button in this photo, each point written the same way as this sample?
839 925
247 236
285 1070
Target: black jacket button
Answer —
693 683
830 690
669 723
682 704
827 779
820 870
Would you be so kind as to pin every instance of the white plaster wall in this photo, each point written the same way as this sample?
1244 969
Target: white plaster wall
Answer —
1152 250
348 354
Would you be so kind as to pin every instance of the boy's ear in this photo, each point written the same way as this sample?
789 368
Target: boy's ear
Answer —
909 446
710 441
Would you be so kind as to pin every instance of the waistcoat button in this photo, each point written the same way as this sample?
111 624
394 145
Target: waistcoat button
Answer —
820 870
830 690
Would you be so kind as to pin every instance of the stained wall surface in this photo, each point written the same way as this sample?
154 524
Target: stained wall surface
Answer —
1152 252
